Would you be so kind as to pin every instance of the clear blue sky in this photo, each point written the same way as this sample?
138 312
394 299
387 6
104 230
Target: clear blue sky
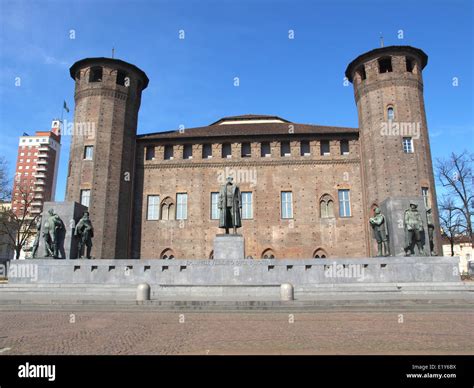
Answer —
191 80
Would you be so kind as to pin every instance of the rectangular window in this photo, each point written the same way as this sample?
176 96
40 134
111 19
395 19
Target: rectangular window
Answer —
85 197
150 153
304 148
188 151
246 150
265 150
247 205
226 150
344 203
207 151
286 204
285 148
426 199
153 208
215 212
344 147
88 152
181 206
325 147
168 152
408 145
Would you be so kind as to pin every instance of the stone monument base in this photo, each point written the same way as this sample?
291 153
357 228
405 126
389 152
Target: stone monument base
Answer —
229 247
230 273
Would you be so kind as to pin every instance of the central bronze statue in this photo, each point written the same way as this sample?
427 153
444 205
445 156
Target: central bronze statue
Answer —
230 206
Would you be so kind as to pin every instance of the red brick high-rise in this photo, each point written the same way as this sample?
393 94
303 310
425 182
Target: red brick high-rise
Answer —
36 169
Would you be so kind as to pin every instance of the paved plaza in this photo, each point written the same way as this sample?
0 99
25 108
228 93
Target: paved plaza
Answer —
98 330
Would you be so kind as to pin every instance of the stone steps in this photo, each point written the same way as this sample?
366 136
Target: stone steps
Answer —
236 306
317 293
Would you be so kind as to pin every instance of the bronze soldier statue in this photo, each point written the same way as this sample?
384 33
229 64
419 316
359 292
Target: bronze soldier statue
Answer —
413 230
431 227
37 238
84 231
53 228
379 228
230 205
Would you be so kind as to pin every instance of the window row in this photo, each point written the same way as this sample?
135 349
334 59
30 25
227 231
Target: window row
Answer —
268 253
385 66
165 209
245 150
96 75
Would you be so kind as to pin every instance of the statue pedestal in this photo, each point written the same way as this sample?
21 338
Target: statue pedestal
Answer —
393 209
70 213
229 247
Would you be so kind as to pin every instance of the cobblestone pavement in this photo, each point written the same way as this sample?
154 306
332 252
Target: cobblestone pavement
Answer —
322 332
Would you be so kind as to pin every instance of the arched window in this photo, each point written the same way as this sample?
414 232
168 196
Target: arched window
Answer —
390 113
95 74
326 206
320 253
211 255
372 208
167 254
268 254
167 209
361 73
410 62
385 65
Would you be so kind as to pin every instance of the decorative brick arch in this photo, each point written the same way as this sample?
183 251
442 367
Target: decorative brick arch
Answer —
326 206
268 253
167 254
167 209
320 253
372 208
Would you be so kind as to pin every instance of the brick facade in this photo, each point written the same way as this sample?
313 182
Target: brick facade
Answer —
376 167
308 177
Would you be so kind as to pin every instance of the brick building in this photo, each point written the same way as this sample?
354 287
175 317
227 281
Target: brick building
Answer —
307 190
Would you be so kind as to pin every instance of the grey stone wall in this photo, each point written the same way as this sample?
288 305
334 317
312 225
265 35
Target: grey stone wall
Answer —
237 272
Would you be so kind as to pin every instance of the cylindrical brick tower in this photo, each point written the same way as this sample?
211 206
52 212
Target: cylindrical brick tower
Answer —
102 156
395 149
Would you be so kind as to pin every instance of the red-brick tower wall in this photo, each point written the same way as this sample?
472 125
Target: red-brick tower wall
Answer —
388 171
107 97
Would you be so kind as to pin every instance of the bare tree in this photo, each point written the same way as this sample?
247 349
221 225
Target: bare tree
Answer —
17 226
5 187
456 176
449 218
